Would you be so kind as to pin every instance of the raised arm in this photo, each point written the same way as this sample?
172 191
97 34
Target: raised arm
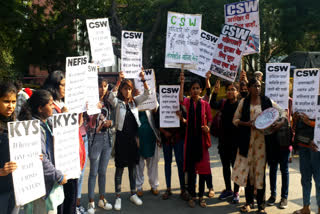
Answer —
181 86
141 98
112 98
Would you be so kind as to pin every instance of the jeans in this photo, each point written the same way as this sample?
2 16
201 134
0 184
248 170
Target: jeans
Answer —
178 153
7 202
80 181
309 166
283 160
132 178
99 159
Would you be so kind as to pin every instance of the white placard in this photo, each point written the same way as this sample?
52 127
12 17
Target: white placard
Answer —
66 144
75 90
131 53
25 150
245 14
169 105
151 102
317 126
277 83
100 42
227 55
305 91
92 89
208 43
183 38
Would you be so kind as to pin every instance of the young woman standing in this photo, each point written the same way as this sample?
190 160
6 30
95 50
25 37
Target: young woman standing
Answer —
8 96
197 140
127 123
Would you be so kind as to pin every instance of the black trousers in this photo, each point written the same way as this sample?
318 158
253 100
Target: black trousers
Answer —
69 204
249 193
202 180
228 158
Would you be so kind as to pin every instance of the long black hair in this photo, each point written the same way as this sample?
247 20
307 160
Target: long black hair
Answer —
52 83
6 88
38 99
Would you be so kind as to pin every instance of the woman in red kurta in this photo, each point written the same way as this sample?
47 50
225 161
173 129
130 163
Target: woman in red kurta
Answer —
197 141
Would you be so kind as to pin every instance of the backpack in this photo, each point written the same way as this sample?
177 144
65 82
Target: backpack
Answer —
216 125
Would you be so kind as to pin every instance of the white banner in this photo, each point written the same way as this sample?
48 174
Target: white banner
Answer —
317 126
151 102
183 38
100 42
66 144
208 44
277 83
75 90
131 53
25 150
92 89
245 14
305 91
227 55
169 105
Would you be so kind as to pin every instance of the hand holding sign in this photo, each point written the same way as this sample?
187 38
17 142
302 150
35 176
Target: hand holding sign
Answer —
8 168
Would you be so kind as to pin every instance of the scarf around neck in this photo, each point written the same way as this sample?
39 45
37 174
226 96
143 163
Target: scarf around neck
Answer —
194 140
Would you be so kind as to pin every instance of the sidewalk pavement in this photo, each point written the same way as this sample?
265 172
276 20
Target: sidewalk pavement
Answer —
155 205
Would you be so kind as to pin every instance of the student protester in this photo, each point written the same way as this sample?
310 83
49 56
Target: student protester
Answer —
250 164
172 139
309 158
8 96
55 83
127 124
279 154
40 107
22 96
228 134
101 141
243 89
197 141
149 141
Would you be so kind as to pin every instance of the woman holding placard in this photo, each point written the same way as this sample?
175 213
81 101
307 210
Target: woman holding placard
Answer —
197 141
40 107
127 123
228 145
250 163
8 96
309 158
100 148
55 84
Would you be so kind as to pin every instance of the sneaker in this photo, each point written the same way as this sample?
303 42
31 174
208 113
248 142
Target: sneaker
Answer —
117 204
283 203
91 208
236 198
104 204
271 200
225 194
81 210
136 200
140 192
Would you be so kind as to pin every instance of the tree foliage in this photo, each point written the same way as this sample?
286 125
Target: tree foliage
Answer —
45 34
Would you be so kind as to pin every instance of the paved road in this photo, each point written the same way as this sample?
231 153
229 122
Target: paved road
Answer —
155 205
